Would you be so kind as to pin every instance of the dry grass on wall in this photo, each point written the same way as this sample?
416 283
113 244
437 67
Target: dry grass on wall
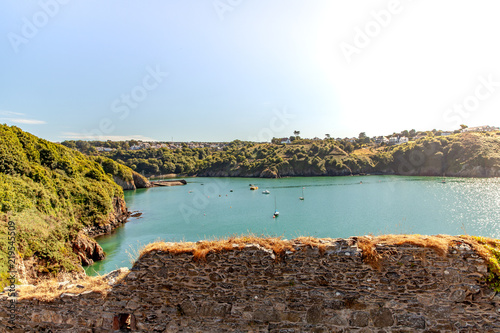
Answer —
50 289
486 248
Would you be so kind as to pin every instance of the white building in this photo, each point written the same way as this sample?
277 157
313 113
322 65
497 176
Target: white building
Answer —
485 128
393 140
286 141
397 140
104 149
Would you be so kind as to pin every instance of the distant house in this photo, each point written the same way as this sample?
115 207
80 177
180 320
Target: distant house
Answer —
381 139
393 140
397 140
480 129
135 147
104 149
446 133
285 141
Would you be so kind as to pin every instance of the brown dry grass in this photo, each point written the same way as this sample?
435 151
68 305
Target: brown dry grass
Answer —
314 242
483 246
201 249
439 243
49 289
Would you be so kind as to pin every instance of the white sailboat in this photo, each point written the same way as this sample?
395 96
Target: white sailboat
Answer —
276 213
302 197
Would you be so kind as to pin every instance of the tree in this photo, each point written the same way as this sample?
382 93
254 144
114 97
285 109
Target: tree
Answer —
405 133
348 147
413 133
327 136
362 136
296 133
463 126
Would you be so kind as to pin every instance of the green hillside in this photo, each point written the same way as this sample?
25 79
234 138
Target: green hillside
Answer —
51 193
462 155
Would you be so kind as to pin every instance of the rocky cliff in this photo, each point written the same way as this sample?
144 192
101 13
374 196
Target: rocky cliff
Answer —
52 195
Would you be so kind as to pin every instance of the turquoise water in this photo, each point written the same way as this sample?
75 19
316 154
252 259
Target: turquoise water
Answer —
333 207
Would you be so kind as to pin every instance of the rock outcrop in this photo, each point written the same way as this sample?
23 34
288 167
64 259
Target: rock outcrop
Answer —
118 217
126 185
87 249
138 181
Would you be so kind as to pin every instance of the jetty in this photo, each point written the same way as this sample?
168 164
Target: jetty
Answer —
156 183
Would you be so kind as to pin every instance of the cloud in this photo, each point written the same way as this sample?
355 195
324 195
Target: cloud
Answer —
10 113
81 136
26 121
12 117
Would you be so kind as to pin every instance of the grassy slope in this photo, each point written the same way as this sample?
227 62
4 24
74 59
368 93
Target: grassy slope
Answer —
50 192
457 154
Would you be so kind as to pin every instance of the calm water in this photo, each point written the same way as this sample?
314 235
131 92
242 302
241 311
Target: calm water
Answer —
333 207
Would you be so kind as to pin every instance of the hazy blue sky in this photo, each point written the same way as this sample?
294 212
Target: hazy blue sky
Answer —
239 69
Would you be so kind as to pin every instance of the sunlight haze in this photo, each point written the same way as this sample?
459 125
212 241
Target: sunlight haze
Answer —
222 70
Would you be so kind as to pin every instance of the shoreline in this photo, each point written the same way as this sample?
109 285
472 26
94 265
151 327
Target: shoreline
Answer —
312 176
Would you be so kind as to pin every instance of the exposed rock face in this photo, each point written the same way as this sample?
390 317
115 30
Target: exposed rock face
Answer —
87 249
118 217
140 181
268 173
126 185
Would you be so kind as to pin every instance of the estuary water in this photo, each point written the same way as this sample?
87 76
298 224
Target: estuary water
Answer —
332 207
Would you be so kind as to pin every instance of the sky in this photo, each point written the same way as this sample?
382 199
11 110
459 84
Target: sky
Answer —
220 70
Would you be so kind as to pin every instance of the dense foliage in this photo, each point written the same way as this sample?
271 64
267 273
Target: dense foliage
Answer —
50 192
457 154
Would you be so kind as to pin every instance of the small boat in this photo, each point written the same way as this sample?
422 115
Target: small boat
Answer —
265 192
230 190
302 197
253 188
276 213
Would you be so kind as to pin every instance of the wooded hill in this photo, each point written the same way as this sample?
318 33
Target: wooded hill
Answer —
51 194
466 154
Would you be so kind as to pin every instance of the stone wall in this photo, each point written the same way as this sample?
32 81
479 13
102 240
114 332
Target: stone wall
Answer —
308 290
